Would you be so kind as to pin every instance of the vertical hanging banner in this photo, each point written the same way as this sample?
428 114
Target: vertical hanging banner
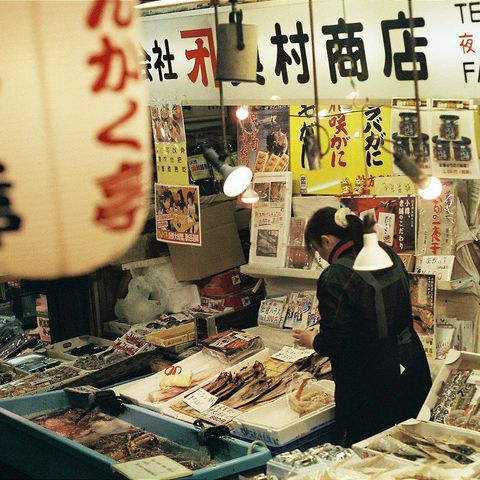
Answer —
436 223
170 143
263 139
423 293
177 214
454 145
75 188
395 217
350 145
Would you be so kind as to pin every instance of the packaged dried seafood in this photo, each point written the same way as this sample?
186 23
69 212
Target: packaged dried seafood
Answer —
232 345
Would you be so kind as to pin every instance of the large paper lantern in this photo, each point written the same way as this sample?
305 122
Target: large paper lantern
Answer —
75 169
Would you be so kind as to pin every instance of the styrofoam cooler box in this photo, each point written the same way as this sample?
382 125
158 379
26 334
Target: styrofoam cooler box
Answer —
455 359
41 453
434 430
277 424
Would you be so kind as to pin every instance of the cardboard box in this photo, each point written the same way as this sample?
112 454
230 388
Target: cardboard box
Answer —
236 300
221 248
226 282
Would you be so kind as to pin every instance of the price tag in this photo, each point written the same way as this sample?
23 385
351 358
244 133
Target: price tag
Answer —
158 468
200 400
474 377
292 354
439 265
220 414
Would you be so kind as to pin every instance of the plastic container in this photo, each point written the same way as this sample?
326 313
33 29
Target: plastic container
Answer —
63 349
172 336
50 455
277 425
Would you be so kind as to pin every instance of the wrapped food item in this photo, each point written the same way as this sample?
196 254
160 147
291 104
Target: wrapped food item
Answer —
232 345
306 394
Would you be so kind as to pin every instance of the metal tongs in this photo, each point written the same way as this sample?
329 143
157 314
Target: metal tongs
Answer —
104 399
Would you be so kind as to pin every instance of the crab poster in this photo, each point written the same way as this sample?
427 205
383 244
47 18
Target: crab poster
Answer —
177 214
170 143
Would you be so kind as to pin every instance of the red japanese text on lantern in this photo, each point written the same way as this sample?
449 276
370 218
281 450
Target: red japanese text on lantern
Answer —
122 191
436 235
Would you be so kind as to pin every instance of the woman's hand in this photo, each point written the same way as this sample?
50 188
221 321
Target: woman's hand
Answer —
304 338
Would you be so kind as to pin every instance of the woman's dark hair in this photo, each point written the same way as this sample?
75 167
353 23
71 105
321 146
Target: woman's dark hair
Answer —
191 196
322 222
181 202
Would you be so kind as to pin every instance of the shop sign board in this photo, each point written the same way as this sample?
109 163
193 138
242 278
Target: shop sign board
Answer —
363 46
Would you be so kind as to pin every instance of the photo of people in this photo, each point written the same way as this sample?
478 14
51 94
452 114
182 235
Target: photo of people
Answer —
267 243
263 190
177 213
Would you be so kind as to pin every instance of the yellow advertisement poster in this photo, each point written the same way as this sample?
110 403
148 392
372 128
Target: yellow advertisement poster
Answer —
170 144
352 141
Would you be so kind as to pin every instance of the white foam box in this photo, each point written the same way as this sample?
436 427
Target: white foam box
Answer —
138 390
276 424
62 349
430 429
454 359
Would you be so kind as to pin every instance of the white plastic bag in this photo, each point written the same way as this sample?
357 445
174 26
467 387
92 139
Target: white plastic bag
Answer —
136 307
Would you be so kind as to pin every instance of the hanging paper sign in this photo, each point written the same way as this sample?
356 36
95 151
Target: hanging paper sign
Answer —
394 185
200 400
351 149
74 160
170 144
367 43
454 144
439 265
263 139
386 231
437 223
401 210
177 214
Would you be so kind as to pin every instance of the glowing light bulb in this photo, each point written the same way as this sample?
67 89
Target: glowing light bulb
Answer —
356 135
432 190
242 112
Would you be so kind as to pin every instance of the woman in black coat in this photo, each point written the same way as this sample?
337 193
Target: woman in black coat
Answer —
379 366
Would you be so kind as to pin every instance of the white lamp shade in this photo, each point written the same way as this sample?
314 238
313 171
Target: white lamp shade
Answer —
372 256
236 179
75 145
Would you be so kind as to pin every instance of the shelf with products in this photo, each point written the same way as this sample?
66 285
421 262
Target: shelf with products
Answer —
266 271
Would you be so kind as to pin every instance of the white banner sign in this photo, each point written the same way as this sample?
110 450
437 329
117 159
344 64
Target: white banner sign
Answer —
369 43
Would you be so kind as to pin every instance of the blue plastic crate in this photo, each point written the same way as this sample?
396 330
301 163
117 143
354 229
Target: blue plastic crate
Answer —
41 453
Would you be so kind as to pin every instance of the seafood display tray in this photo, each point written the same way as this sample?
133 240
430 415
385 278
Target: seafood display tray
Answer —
455 359
62 349
431 429
138 391
277 425
51 454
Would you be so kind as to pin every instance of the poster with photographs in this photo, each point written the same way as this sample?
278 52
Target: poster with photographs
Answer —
177 214
454 146
271 218
395 216
404 128
170 144
423 292
263 139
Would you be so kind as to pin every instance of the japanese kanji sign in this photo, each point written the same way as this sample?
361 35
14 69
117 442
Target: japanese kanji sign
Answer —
367 43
